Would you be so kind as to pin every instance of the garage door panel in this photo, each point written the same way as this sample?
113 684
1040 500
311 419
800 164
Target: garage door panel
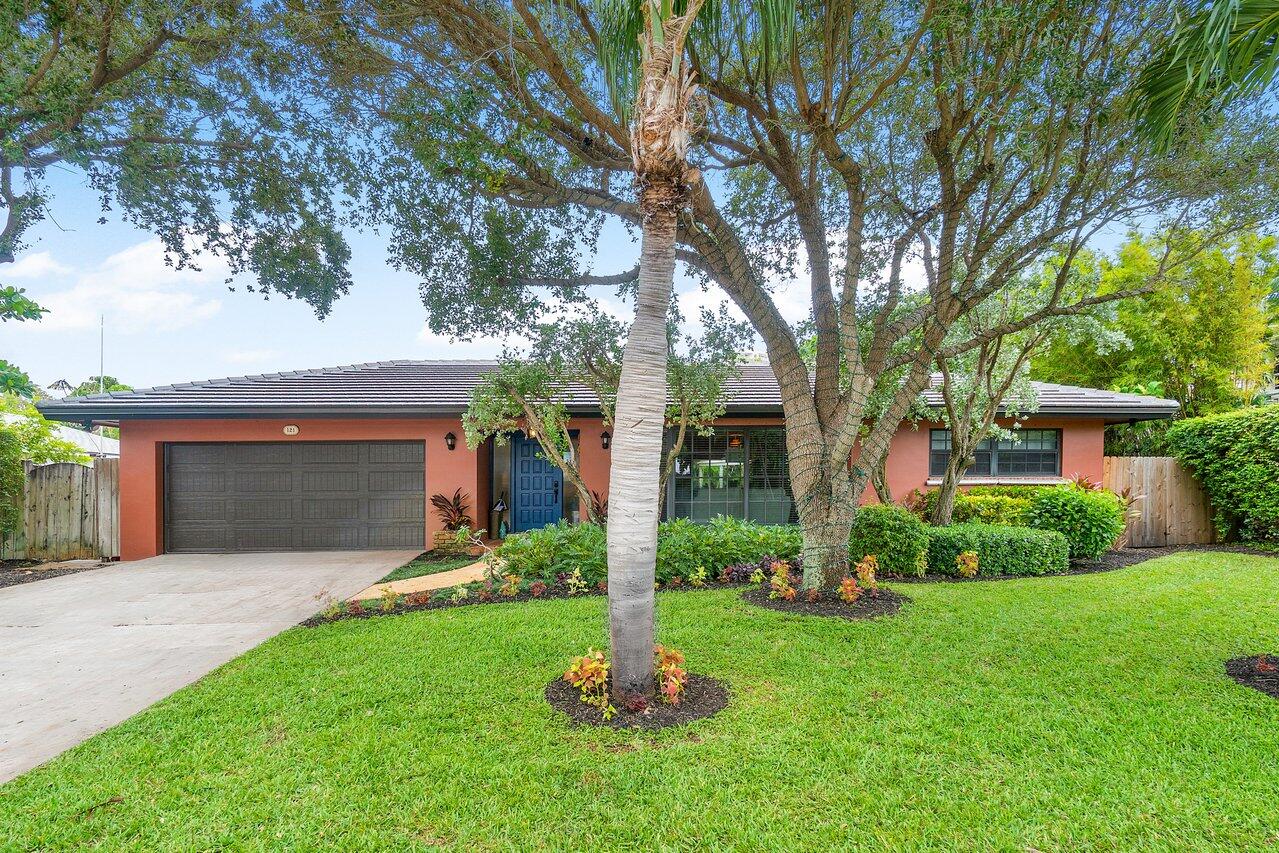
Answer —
331 481
396 481
396 509
290 496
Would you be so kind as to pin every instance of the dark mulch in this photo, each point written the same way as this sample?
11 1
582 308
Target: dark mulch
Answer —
703 697
1248 672
1118 559
14 572
830 605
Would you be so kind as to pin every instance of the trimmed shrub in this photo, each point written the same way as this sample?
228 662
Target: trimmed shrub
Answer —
12 481
683 547
1091 520
549 552
985 504
894 535
1236 457
990 509
1001 550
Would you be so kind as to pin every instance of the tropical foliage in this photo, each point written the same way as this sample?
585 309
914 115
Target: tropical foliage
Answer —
1198 337
999 550
1090 519
1235 456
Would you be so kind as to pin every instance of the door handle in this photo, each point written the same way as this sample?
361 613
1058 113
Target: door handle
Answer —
555 493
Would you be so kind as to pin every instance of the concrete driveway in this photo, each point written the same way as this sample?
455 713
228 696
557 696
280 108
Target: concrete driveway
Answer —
82 652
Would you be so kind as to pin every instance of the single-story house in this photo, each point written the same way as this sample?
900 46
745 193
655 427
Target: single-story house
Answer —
346 457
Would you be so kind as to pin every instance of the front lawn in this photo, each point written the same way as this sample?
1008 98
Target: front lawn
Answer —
1086 712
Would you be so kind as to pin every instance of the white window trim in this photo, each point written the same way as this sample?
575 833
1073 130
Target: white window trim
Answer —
1002 481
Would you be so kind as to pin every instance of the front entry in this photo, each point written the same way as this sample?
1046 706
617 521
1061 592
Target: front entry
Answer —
537 493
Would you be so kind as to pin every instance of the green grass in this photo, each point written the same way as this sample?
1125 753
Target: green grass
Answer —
1086 712
428 564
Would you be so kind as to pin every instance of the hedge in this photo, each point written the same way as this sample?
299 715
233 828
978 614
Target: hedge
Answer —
1091 520
1235 456
1001 550
894 535
986 504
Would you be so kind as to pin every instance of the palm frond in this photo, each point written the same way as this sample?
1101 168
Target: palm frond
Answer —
1225 52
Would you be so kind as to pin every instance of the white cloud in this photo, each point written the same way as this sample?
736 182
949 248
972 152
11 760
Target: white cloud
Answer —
36 265
136 291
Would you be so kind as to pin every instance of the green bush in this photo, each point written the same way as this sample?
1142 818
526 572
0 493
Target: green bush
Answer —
986 504
1091 520
1001 550
990 509
12 481
683 547
1235 456
894 535
548 552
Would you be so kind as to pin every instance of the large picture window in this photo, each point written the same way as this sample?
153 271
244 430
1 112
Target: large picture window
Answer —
741 473
1029 453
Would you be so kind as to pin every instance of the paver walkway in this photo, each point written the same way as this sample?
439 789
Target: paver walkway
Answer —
424 583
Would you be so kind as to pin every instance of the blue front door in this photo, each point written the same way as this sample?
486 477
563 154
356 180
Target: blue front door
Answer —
537 496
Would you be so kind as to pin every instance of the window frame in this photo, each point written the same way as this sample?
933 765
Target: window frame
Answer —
991 446
748 436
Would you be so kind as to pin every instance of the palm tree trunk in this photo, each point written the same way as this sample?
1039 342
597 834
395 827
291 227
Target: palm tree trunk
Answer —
637 456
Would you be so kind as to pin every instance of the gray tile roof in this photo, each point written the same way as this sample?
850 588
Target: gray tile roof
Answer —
443 387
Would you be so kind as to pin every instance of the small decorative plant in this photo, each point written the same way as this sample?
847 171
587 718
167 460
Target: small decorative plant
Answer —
589 674
454 511
757 576
333 608
389 599
779 585
460 594
866 569
417 599
697 578
849 591
967 564
602 586
510 586
812 595
671 675
537 589
485 592
1264 665
355 608
573 581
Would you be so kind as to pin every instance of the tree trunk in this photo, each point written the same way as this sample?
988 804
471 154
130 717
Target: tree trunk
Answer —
637 456
955 468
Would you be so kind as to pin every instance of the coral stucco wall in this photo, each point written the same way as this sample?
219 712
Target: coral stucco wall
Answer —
142 462
142 459
1082 448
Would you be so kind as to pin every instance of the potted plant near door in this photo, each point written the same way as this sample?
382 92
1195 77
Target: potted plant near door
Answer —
455 513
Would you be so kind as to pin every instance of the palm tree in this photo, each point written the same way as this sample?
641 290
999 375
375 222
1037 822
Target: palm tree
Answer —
1227 51
642 52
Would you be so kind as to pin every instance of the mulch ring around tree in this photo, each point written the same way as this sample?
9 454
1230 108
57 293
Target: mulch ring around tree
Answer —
703 697
1260 672
868 606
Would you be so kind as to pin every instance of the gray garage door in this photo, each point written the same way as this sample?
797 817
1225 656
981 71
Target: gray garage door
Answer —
294 496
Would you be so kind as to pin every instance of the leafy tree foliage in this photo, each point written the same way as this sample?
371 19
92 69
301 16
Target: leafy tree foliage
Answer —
175 113
16 305
527 391
14 380
35 436
1198 337
94 384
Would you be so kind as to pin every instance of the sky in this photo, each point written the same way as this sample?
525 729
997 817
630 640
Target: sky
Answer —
164 325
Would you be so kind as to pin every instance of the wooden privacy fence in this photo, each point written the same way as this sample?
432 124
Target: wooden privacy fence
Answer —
69 512
1170 507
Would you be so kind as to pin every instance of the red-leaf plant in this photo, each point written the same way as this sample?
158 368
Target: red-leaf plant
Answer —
455 512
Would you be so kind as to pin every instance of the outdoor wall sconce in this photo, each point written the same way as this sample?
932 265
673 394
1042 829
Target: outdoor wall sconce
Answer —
450 441
606 438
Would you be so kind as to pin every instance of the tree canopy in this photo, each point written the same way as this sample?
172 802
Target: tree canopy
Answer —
1200 336
178 115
